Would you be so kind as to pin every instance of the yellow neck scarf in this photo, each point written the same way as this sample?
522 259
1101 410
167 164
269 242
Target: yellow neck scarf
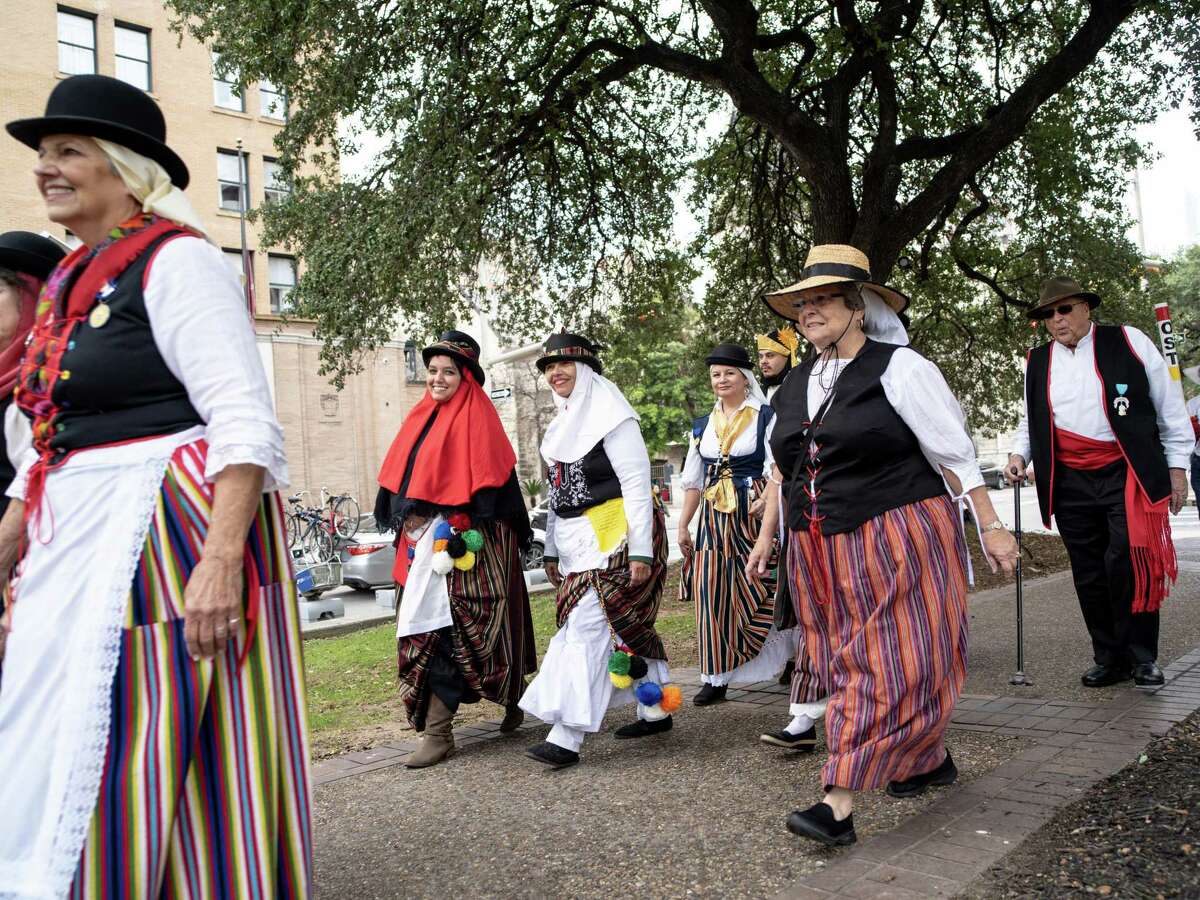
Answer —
722 495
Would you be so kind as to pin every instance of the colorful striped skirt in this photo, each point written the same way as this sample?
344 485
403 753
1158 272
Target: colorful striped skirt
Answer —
491 639
197 784
884 613
734 613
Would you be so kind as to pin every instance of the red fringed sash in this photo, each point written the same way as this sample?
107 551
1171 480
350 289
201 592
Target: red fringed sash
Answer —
1155 566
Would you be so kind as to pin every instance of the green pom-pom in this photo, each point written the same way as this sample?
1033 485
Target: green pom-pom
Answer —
474 540
618 663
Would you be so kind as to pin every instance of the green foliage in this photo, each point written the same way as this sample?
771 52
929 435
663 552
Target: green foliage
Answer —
531 153
1178 283
534 488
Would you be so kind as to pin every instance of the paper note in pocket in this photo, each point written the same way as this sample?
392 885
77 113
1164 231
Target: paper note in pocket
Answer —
608 521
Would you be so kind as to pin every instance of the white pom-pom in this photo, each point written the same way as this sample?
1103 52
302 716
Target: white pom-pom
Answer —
651 713
443 564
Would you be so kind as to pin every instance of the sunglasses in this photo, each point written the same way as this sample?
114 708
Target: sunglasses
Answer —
1063 309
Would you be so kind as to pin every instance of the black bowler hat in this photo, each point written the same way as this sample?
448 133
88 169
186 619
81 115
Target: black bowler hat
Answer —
32 254
107 108
564 347
729 355
460 347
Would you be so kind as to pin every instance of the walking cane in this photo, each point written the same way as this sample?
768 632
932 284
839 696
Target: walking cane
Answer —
1020 678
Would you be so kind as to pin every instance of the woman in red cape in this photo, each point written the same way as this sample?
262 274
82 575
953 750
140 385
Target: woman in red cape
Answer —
448 488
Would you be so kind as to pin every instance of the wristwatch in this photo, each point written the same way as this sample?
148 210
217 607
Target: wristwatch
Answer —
995 526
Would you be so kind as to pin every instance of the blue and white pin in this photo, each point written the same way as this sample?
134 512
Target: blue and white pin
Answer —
1121 402
100 313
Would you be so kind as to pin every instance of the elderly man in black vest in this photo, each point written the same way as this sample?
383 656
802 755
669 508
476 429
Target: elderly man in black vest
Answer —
1109 438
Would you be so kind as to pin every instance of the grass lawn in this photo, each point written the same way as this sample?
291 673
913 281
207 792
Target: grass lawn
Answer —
352 699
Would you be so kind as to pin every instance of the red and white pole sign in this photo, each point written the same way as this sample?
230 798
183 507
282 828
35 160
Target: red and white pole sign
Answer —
1166 338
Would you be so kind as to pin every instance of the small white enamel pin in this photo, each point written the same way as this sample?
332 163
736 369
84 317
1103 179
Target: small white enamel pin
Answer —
1121 403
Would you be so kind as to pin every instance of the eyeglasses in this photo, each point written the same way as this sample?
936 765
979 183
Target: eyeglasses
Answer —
1063 309
815 302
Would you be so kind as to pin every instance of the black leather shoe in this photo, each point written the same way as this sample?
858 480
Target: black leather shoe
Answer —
817 823
785 677
804 742
1102 676
514 716
946 773
554 756
642 728
1148 674
710 694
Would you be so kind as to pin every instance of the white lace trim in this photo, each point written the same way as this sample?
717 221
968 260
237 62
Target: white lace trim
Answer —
83 782
270 458
776 650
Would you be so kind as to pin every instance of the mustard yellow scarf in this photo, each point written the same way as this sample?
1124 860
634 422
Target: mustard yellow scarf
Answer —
722 494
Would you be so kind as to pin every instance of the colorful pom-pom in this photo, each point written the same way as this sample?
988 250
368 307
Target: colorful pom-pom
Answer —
620 682
460 521
456 546
473 540
466 562
648 693
672 698
440 544
618 663
443 532
638 668
442 563
652 713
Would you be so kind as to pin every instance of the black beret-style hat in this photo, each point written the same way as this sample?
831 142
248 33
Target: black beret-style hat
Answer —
564 347
32 254
726 354
460 347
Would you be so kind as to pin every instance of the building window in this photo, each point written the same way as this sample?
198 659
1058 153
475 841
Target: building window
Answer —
275 183
412 372
76 43
234 258
283 279
272 101
227 92
233 180
133 55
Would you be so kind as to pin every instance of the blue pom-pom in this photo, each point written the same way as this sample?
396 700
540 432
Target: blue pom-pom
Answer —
443 532
648 693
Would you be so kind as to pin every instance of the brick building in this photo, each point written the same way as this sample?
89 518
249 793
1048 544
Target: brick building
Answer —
333 438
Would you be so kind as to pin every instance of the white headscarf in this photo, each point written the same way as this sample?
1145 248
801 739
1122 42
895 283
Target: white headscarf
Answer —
880 321
151 186
594 408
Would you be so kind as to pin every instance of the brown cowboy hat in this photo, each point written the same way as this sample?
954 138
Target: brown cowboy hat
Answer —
1058 288
832 264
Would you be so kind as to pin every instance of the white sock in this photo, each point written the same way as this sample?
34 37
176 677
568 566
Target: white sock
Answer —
798 725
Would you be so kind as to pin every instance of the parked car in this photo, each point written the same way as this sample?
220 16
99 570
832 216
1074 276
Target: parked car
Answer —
993 476
369 557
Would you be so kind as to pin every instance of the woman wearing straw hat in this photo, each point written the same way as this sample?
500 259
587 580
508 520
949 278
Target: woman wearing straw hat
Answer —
722 475
152 720
606 552
448 487
867 439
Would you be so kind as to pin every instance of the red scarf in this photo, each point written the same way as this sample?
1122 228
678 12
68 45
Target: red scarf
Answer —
1155 566
465 451
10 356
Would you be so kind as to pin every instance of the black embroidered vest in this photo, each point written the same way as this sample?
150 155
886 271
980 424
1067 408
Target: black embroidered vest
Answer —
1123 375
587 482
867 459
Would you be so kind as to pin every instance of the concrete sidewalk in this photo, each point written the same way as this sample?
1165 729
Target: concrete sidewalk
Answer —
699 812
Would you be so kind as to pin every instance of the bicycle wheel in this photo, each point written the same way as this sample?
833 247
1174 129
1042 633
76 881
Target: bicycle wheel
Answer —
318 543
294 530
345 516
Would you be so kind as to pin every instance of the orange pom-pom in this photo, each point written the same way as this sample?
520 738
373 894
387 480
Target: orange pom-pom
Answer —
439 545
672 698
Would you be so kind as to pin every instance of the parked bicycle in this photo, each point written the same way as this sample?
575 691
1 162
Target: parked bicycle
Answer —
342 512
309 531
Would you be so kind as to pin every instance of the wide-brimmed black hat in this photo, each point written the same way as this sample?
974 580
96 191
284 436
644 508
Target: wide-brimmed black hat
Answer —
729 355
1057 289
32 254
460 347
103 107
564 347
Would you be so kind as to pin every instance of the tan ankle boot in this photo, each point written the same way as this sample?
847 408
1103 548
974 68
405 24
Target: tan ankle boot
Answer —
437 743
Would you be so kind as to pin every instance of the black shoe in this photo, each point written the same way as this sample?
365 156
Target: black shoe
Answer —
1148 674
642 728
946 773
1102 676
514 716
554 756
817 823
785 677
804 742
710 694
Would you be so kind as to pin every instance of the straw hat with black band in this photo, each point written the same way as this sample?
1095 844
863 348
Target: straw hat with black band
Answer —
565 347
1058 289
831 264
460 347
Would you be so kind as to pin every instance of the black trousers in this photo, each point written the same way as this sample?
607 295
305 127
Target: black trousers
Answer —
1089 508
